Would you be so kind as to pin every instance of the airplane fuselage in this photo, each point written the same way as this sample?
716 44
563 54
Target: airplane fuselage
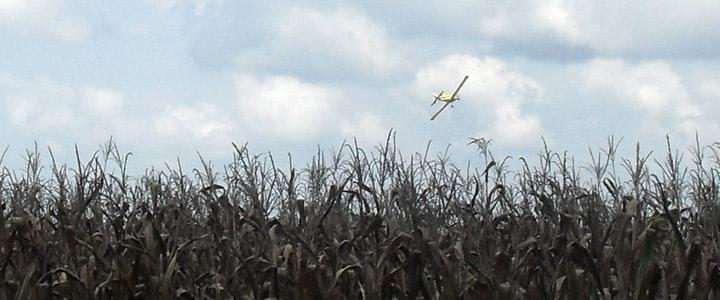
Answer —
445 97
448 98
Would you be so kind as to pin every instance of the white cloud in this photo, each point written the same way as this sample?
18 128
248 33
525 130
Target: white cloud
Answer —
514 128
46 106
491 87
46 18
102 100
688 127
11 8
38 105
63 117
200 122
651 87
342 41
557 18
20 109
47 110
526 21
659 28
28 112
711 88
286 106
368 128
344 35
198 6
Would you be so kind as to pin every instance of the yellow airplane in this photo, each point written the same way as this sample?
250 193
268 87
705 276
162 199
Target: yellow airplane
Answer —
447 99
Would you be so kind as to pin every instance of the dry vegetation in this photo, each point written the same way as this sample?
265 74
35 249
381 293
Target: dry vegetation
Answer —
365 225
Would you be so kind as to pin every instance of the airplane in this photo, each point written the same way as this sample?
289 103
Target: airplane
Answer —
447 99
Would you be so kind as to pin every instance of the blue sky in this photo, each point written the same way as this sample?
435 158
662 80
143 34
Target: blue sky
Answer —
167 78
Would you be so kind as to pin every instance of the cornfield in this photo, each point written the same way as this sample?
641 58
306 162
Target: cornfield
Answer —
360 224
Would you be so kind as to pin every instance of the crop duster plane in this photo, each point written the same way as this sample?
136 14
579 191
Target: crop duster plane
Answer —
448 99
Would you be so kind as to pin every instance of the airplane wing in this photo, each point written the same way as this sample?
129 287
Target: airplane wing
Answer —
439 111
459 87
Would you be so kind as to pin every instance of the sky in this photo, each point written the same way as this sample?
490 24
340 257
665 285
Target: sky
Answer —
167 79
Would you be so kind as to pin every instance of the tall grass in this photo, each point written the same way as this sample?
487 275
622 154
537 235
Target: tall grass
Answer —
365 224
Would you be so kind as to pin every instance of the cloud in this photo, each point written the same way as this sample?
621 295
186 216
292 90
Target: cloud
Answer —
312 42
558 19
526 21
608 28
286 107
46 18
493 90
342 35
198 122
102 100
368 129
39 105
21 109
9 8
512 127
44 106
27 112
198 6
652 88
711 89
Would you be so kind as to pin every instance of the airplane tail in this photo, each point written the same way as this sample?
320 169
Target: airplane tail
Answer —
437 97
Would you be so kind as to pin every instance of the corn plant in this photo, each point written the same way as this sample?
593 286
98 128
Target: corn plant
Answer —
365 224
